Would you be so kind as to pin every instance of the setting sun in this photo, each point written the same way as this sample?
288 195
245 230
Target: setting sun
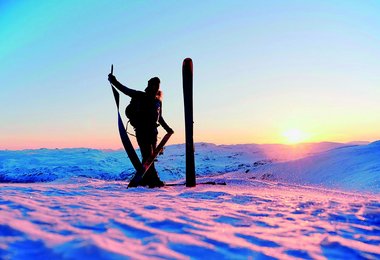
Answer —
294 136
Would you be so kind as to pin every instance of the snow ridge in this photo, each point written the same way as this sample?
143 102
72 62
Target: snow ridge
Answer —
332 165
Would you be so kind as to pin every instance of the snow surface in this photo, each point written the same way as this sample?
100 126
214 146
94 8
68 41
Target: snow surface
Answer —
331 165
312 201
355 168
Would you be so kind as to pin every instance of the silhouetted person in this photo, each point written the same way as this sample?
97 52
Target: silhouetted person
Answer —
147 123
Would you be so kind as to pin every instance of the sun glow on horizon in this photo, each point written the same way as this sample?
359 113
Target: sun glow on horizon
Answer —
294 136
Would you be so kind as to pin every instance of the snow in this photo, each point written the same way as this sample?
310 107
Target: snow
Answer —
355 168
309 201
44 165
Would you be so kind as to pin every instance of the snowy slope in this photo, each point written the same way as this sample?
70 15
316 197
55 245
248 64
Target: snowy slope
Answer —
332 165
43 165
351 168
84 211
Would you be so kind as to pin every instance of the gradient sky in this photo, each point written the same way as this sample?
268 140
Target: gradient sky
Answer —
261 69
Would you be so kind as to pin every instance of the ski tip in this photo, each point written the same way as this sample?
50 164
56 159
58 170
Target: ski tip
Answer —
187 61
187 64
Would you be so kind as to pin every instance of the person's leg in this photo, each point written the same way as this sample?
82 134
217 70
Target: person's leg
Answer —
151 176
147 143
145 150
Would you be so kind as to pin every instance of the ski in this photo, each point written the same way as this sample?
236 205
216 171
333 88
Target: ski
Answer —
158 150
201 183
145 167
187 77
128 147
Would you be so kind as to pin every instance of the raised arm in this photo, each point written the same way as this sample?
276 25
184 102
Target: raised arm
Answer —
127 91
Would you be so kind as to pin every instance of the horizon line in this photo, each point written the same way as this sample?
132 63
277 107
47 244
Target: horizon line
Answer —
201 142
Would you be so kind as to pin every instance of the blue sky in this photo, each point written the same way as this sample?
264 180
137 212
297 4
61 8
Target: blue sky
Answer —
261 68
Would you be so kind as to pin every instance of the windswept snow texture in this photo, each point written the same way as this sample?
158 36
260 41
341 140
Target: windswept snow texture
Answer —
333 165
76 205
96 219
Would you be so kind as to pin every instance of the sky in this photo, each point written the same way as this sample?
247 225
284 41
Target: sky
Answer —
271 71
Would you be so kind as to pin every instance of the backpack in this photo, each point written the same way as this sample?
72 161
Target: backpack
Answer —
142 112
135 111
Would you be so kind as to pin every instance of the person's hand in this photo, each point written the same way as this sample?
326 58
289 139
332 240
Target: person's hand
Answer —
111 78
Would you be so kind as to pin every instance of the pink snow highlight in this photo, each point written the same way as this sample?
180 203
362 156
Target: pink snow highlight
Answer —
246 218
